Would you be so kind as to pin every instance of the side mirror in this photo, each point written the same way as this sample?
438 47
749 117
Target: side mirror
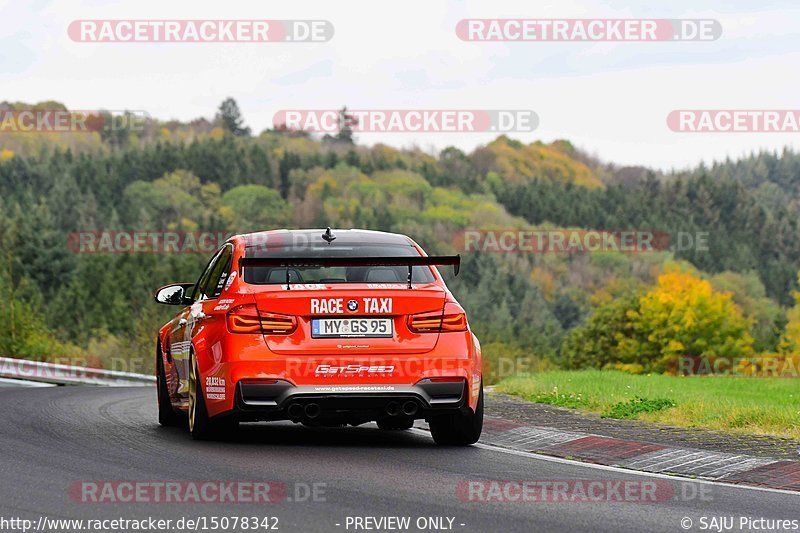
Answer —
175 294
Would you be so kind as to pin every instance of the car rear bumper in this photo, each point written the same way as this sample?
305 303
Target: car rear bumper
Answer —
354 404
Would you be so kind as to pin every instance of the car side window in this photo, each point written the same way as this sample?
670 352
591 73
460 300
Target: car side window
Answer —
215 276
200 288
220 272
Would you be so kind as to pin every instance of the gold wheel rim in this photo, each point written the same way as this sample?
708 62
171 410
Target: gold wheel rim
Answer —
192 393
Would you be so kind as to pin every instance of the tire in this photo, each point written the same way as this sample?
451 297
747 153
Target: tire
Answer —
459 429
201 426
166 414
395 424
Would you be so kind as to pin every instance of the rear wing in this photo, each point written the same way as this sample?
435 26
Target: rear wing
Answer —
410 262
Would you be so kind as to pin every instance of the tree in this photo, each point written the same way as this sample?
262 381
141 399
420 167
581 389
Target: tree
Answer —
174 201
346 121
596 344
231 118
791 340
255 207
681 315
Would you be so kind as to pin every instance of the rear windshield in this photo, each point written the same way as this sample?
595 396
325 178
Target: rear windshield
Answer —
328 275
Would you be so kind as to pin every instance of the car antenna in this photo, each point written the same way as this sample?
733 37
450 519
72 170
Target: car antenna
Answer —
328 236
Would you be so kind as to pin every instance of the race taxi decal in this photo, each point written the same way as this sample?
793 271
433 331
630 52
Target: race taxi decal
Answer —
377 305
215 388
337 306
356 370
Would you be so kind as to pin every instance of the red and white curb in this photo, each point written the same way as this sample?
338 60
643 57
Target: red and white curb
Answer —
643 456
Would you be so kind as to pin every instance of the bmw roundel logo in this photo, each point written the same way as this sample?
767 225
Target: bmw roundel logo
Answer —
352 305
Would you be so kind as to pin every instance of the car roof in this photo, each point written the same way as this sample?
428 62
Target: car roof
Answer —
282 237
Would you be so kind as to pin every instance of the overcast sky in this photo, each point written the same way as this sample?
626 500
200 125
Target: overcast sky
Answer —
611 99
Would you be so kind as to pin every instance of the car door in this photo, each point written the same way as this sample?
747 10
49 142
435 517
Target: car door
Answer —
206 319
181 333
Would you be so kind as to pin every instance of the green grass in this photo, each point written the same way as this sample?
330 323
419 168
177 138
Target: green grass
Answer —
632 408
769 406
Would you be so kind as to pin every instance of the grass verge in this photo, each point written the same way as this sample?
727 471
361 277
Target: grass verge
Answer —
769 406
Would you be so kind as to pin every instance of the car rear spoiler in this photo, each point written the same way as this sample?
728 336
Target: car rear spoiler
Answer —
410 261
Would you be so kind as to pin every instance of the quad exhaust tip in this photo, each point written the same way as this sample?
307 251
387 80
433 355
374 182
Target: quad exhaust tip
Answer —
313 410
410 408
392 408
295 411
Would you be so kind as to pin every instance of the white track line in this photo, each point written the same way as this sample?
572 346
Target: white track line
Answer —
540 457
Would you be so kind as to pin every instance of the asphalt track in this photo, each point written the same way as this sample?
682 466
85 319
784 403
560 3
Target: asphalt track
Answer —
56 436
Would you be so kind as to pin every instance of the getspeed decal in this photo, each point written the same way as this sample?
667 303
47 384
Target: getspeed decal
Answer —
354 370
337 306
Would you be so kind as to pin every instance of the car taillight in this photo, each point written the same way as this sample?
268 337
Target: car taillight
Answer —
247 319
274 324
425 322
244 319
452 319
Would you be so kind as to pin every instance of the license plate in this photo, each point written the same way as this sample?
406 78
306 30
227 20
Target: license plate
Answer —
351 327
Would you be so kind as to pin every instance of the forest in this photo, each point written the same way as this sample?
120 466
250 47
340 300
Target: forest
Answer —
735 296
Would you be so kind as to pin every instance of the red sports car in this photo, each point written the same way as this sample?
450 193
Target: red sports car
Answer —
320 327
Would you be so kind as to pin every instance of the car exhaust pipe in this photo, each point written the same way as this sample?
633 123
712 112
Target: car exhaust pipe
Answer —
392 408
313 410
410 408
295 411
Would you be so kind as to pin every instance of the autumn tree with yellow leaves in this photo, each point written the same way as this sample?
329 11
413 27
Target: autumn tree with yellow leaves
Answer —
790 343
682 315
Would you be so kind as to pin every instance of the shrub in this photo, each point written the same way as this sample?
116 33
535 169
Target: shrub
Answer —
632 408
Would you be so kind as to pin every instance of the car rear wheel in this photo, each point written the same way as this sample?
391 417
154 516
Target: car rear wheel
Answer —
395 423
459 429
201 426
166 414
